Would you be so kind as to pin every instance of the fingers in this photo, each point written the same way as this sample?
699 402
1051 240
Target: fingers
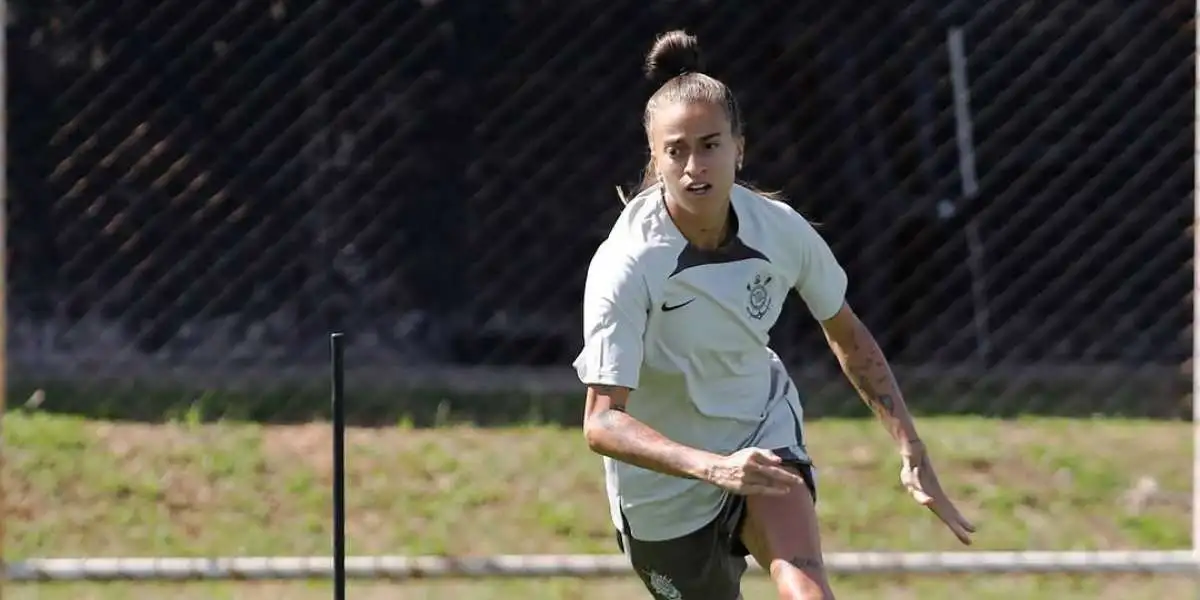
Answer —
953 514
969 526
764 474
763 457
775 475
949 515
768 465
945 510
926 490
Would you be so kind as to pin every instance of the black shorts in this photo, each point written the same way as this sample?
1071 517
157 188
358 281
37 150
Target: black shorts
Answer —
708 563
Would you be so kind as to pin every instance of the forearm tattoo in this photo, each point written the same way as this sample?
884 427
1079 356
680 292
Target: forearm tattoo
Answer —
886 405
609 417
867 370
634 442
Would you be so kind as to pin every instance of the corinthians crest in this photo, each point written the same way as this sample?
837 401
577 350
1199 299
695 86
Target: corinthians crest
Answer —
664 587
760 296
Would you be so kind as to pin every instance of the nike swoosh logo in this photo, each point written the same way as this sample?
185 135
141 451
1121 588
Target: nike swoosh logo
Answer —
667 308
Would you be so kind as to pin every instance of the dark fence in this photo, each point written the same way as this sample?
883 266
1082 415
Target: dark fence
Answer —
215 185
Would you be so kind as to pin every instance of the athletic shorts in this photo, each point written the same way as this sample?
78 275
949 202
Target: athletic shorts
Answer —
708 563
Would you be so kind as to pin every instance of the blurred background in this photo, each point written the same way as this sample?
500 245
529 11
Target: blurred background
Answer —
200 190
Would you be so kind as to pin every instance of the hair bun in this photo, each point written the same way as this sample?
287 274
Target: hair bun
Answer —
674 53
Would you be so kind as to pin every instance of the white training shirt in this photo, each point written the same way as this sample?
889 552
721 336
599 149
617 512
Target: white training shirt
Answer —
687 330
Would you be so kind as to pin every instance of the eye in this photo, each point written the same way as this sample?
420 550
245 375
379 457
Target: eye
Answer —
672 152
712 145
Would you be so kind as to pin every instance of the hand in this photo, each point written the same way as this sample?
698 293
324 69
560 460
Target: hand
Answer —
918 477
753 471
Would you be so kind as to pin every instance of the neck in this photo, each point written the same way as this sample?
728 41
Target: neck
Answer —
706 226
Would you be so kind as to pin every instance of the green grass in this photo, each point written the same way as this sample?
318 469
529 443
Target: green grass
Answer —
87 488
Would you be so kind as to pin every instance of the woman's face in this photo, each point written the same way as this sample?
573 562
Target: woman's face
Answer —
695 152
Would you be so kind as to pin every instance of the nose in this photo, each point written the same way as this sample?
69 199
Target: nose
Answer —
695 165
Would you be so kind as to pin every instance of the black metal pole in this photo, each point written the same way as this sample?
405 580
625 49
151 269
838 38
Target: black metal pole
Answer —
337 368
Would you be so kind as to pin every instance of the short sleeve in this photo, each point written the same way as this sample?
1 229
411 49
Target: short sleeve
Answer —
822 280
616 303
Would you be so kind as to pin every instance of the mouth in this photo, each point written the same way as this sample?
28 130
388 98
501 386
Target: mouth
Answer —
698 189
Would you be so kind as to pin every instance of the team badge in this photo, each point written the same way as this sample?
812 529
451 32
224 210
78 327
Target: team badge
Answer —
760 296
664 587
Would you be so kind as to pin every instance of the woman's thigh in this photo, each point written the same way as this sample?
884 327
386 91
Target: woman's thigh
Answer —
782 534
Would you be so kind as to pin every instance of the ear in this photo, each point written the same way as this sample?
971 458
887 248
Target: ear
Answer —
741 151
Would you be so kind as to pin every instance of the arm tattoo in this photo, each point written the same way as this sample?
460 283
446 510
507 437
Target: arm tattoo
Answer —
886 404
869 374
868 371
608 418
623 437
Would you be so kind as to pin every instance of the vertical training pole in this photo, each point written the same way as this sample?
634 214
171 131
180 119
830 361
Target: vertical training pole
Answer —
337 401
1196 315
3 274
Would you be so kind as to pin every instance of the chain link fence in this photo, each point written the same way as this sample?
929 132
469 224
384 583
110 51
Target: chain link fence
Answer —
201 190
202 184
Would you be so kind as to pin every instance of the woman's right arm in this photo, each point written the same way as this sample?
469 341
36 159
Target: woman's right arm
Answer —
611 432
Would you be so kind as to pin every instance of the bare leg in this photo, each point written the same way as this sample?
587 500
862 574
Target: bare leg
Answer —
781 533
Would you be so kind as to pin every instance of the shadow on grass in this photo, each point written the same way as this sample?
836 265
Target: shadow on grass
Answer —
389 406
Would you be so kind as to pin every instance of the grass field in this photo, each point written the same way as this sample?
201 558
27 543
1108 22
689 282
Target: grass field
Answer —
88 488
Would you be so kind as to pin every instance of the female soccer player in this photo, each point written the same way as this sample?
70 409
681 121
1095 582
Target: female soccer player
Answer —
699 423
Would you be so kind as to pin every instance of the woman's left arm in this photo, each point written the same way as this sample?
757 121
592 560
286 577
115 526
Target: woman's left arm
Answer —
867 369
822 283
